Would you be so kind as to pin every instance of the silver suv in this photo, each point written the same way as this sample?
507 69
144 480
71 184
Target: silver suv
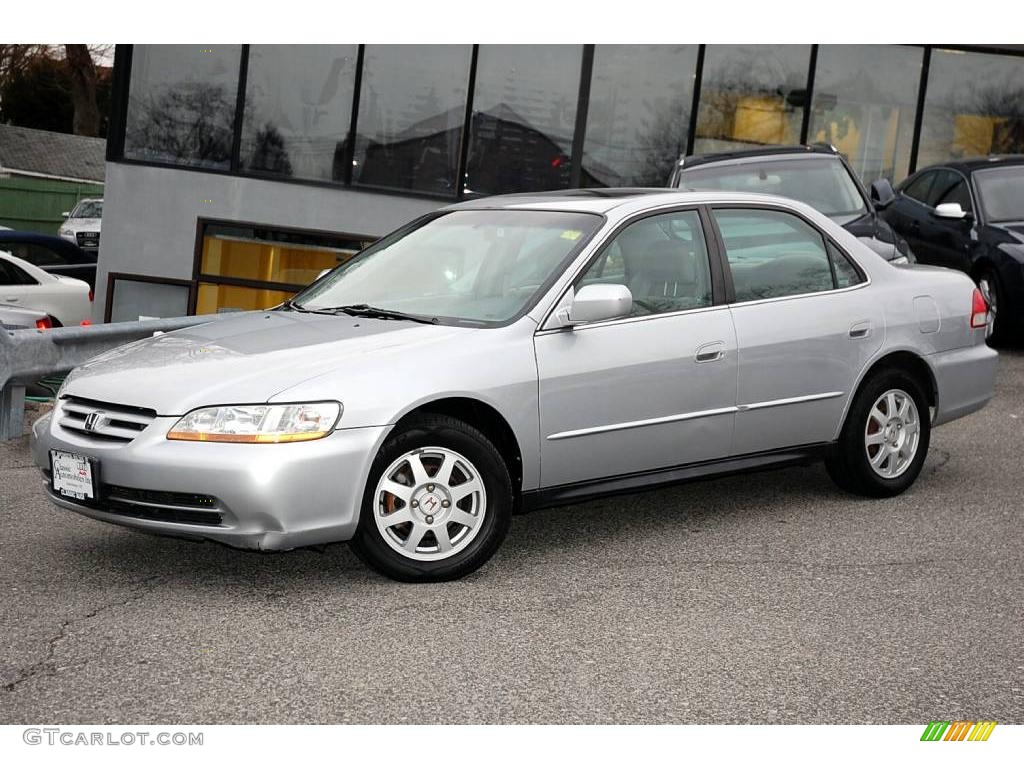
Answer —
518 352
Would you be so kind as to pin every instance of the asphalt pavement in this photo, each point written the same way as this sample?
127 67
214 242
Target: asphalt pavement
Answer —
767 598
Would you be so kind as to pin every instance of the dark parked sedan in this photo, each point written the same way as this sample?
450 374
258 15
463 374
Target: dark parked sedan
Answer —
968 215
52 254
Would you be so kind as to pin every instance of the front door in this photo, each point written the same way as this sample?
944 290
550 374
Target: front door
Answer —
652 390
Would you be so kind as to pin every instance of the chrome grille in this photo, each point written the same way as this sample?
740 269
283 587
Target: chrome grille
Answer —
103 421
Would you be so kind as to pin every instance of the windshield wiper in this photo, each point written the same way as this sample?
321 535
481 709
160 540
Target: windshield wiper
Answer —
365 310
293 306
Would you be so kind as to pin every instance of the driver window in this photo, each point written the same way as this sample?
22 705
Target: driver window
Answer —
663 260
952 188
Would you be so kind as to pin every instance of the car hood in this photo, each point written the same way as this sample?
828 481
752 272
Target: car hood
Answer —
873 231
248 359
1015 230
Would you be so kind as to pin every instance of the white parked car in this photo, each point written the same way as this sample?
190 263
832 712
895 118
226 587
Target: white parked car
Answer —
66 300
82 225
14 318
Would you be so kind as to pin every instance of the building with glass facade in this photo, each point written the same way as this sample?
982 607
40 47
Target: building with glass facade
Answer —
237 173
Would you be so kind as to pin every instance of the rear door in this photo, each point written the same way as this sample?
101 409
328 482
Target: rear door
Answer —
653 390
805 329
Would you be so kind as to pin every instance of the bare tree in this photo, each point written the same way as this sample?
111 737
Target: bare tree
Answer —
82 72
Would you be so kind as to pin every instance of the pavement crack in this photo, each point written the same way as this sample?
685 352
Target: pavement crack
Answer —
45 667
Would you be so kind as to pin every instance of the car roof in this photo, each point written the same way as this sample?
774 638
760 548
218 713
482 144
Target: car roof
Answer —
602 201
796 151
970 164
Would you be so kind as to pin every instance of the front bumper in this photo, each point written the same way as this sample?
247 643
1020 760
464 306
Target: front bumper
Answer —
269 497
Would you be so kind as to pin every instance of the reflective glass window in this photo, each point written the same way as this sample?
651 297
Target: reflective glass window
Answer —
181 104
524 115
639 113
751 95
865 99
298 109
412 107
974 106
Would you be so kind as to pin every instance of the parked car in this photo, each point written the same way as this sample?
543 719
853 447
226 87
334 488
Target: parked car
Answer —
65 299
52 254
817 175
524 351
968 215
14 318
82 225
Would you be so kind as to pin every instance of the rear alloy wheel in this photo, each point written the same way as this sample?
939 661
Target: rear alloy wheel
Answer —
884 441
437 504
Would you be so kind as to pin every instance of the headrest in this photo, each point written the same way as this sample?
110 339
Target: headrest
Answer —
666 260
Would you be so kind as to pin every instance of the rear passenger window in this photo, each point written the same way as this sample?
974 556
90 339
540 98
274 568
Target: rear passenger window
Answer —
846 273
773 254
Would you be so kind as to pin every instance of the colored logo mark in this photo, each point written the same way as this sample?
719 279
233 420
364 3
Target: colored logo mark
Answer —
958 730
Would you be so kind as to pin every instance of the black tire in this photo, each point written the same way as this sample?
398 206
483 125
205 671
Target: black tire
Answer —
443 432
848 464
1000 325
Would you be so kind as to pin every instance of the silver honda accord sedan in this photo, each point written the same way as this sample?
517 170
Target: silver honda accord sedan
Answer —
518 352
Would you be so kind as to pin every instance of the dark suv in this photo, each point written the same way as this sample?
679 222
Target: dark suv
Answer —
968 215
816 175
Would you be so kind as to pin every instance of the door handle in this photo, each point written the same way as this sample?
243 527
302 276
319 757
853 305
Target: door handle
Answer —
708 353
12 299
860 330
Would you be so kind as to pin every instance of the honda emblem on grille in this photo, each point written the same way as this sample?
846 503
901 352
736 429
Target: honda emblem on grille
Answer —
93 421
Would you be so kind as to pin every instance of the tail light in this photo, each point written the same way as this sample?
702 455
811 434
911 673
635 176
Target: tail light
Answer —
91 295
85 322
44 323
979 310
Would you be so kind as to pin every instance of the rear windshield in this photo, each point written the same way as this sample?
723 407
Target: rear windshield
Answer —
821 182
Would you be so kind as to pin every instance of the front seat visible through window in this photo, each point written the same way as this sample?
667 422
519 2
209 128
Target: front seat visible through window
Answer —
664 262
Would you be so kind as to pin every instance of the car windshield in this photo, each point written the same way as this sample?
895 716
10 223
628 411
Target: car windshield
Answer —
1002 193
478 266
821 182
88 209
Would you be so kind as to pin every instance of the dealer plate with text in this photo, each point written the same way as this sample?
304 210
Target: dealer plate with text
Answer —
73 476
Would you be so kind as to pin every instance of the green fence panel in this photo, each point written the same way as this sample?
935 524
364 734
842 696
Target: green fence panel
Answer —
37 205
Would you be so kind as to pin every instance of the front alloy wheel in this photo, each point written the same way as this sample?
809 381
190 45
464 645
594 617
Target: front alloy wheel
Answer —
437 504
430 503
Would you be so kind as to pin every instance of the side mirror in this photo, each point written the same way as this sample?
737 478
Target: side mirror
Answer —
950 211
594 303
882 193
65 214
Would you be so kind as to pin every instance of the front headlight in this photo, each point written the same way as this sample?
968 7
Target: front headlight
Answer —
287 423
65 232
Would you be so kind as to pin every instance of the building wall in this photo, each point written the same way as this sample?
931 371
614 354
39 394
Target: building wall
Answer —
150 216
358 139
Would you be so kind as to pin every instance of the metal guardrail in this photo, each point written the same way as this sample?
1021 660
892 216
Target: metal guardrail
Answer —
29 355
